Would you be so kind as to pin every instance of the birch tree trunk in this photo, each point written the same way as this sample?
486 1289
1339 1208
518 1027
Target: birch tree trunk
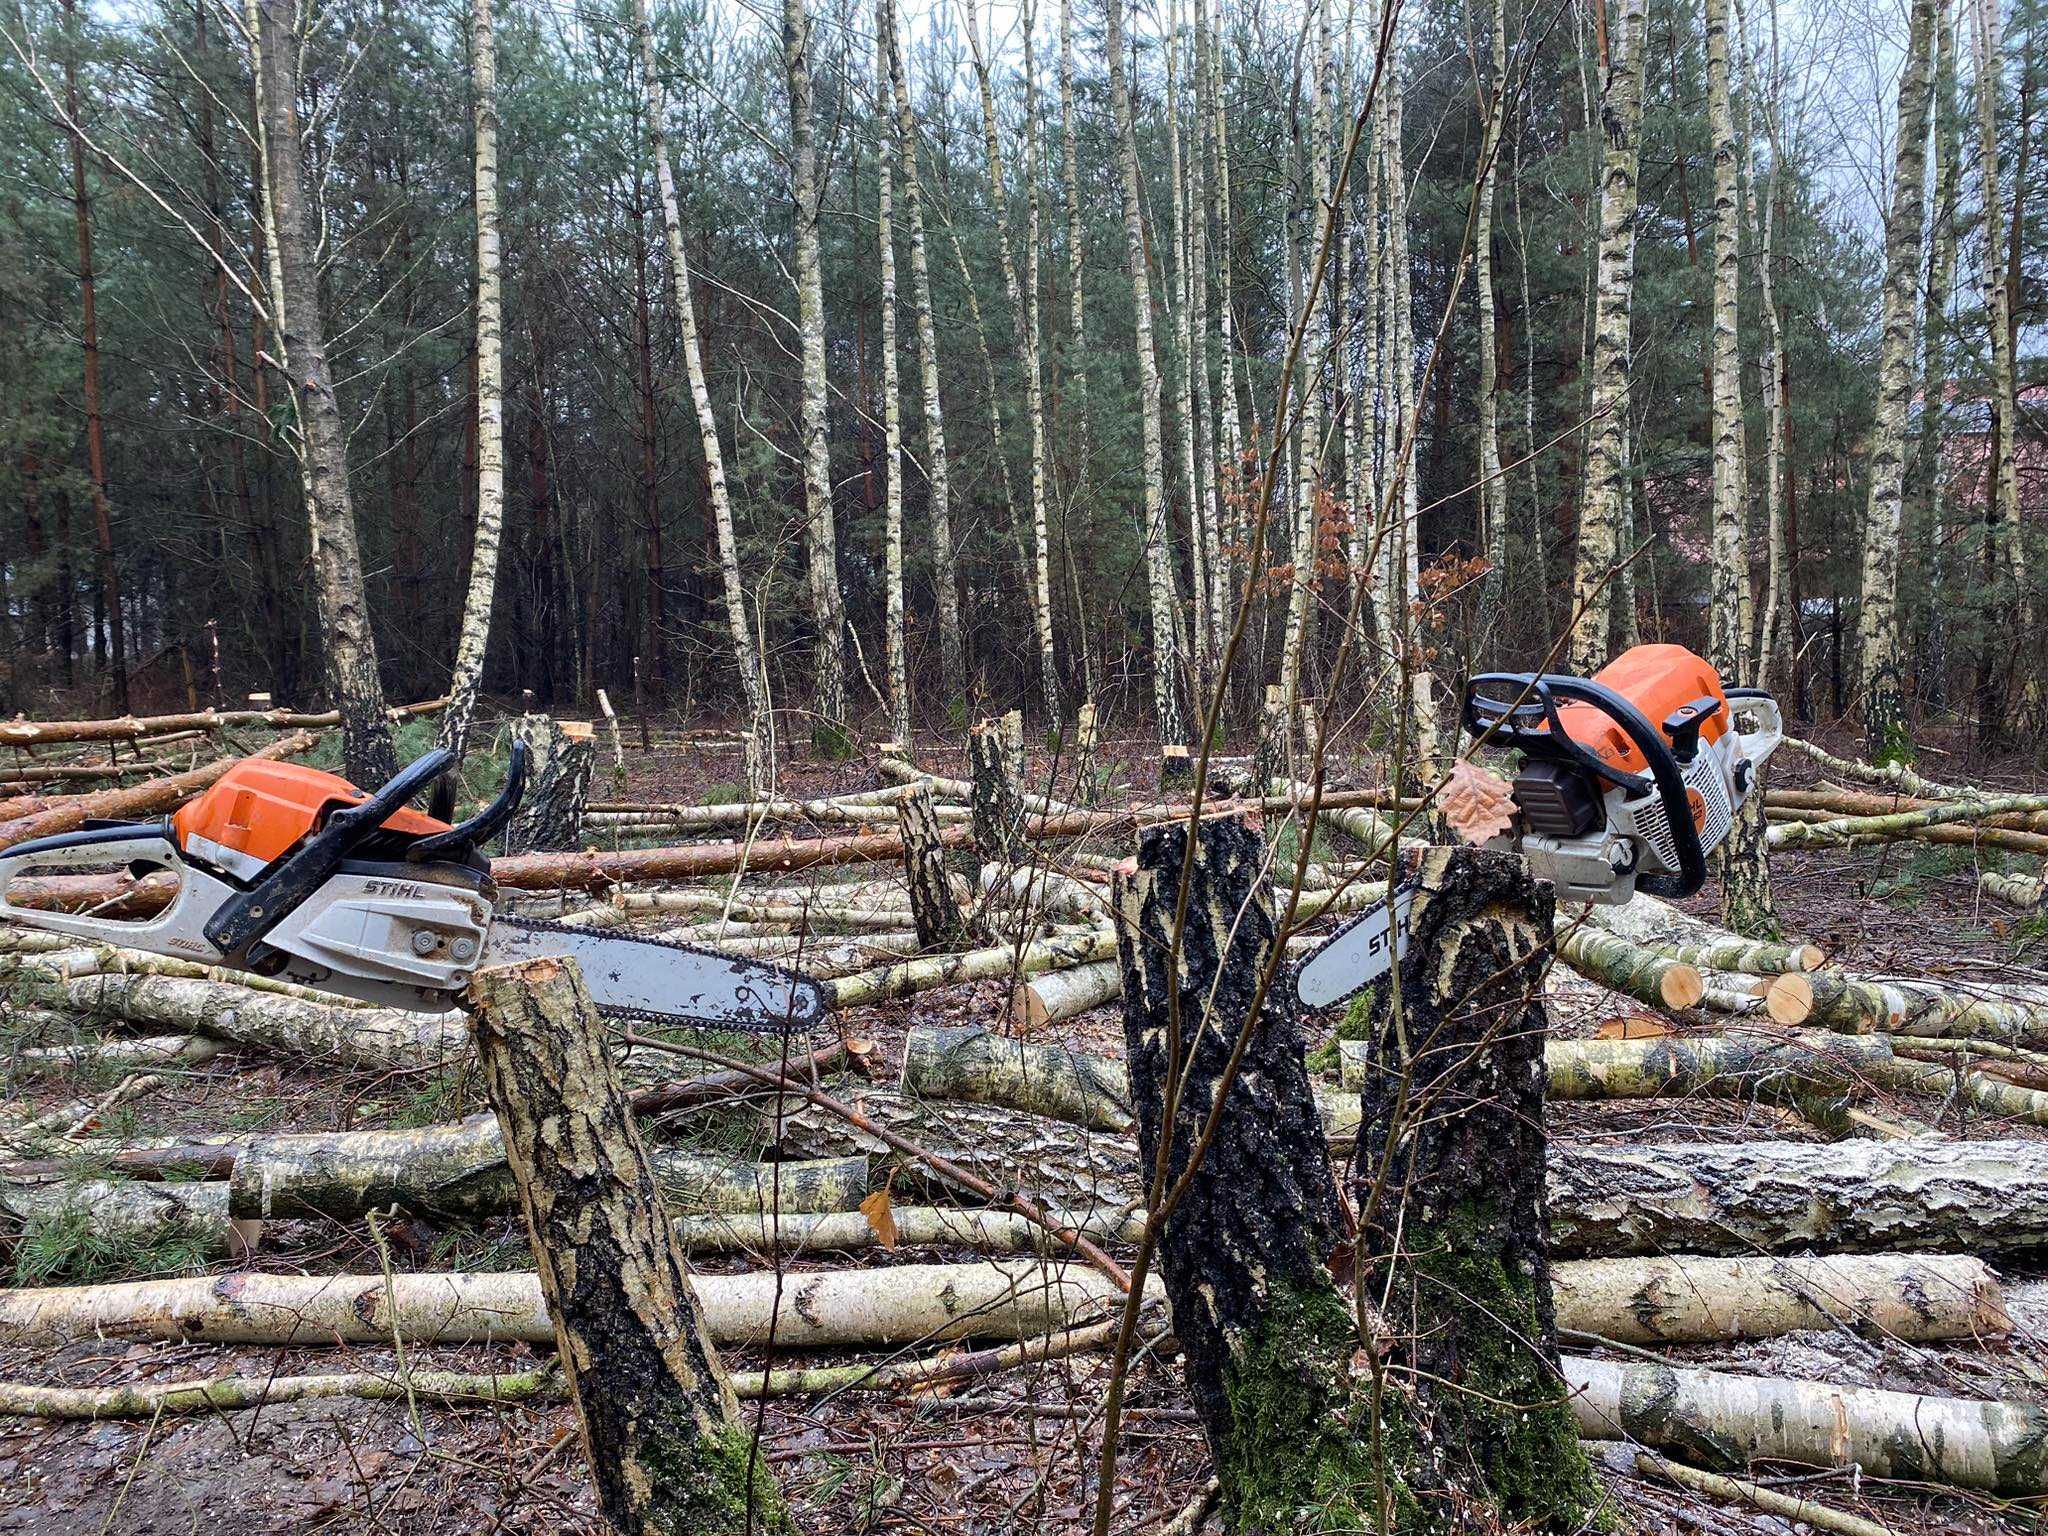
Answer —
1493 489
894 642
1922 514
828 616
321 439
1604 512
760 728
1158 553
1208 510
1024 311
1201 656
952 652
473 639
1877 623
1777 640
2005 553
1231 436
1077 340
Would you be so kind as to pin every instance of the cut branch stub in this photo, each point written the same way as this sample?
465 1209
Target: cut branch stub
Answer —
669 1451
1266 1335
1449 1179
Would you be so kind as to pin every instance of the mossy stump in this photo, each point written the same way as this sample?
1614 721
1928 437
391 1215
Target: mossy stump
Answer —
1266 1334
669 1451
1449 1177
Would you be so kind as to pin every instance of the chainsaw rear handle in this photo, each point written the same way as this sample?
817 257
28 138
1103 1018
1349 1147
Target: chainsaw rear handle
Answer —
142 846
1530 715
290 880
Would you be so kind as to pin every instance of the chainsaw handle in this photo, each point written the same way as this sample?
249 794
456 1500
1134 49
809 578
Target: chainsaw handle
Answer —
461 841
298 874
1759 703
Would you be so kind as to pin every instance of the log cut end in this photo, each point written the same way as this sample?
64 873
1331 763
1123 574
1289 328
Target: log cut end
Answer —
1682 986
1789 998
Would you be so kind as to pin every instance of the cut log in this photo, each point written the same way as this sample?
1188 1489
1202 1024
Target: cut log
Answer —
1448 1182
550 817
592 870
1696 1300
933 906
668 1448
969 1063
35 733
1929 822
1893 776
1055 996
1215 1059
1629 968
829 1309
1737 1420
147 1051
111 1216
2015 890
1079 946
1653 925
136 800
1781 1197
66 955
1980 1091
1919 1006
459 1172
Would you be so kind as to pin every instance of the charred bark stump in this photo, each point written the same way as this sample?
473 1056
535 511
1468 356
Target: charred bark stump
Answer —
1266 1335
933 906
669 1451
1449 1179
550 819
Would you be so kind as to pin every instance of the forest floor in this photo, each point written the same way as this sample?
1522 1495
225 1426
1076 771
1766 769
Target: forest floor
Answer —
1013 1452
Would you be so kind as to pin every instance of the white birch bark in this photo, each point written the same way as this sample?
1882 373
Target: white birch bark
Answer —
1777 634
473 639
1158 555
760 728
1729 601
1077 340
1605 512
1877 621
952 651
1181 308
894 641
1924 500
1229 425
828 616
1988 50
1207 505
1493 490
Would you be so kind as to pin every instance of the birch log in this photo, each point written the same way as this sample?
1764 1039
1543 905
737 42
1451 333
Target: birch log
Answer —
1646 975
1736 1420
668 1448
116 1215
1055 996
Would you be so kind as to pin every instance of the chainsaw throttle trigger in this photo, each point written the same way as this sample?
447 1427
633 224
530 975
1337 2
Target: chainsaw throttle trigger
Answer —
294 876
1682 726
459 842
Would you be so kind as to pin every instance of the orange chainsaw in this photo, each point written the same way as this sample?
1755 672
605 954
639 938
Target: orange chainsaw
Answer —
290 872
1625 781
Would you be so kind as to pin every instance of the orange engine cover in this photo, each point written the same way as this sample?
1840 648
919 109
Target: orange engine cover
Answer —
259 808
1659 680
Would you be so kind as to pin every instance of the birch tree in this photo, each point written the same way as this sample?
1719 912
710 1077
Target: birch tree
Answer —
473 640
1877 623
320 438
892 409
1778 633
1604 512
1493 489
1923 509
1158 555
753 688
828 616
952 652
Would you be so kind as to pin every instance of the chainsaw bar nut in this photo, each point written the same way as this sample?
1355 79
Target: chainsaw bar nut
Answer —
425 941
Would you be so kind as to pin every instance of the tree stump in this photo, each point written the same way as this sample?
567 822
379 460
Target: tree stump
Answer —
1449 1177
1266 1335
995 754
669 1451
933 907
1087 751
550 818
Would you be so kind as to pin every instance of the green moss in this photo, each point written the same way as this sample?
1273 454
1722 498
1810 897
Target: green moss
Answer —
710 1484
1509 1417
1355 1025
831 743
1301 1457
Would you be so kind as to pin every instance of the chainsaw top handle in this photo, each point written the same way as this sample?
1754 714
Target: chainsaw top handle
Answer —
295 876
1528 719
459 842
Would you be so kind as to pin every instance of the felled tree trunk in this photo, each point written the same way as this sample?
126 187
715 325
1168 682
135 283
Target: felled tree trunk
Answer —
1448 1179
668 1448
972 1064
1266 1335
933 906
1629 968
550 818
1737 1420
113 1214
1058 995
459 1172
1782 1196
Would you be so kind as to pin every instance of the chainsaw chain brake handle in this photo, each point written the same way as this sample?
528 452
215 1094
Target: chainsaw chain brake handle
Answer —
459 842
291 879
1528 717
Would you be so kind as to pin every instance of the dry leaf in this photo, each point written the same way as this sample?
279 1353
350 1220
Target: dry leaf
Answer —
1633 1026
881 1216
1478 805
